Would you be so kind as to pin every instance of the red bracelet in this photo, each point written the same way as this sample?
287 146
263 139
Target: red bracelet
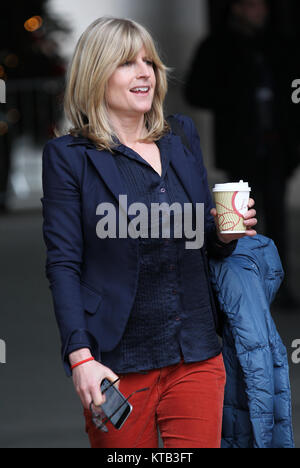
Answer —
82 362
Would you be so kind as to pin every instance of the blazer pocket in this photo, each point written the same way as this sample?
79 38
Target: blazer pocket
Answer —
91 299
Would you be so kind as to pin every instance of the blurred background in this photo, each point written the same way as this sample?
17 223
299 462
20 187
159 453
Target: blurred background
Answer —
233 66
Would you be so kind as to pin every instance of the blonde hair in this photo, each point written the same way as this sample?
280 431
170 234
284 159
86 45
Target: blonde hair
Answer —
106 44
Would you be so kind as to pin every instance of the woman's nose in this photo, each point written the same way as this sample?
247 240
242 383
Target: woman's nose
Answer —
142 70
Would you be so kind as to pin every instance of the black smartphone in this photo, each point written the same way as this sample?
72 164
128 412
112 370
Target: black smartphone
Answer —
115 404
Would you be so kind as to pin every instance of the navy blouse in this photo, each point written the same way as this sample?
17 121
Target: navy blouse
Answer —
172 314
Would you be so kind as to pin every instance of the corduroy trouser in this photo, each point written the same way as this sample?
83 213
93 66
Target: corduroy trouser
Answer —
185 401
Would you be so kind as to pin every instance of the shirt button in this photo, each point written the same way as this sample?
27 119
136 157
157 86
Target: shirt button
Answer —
177 318
162 190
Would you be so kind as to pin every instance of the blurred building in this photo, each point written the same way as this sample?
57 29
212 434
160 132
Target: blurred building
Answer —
284 19
176 25
33 70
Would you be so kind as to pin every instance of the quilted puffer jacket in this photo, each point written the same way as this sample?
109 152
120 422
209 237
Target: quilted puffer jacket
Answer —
257 406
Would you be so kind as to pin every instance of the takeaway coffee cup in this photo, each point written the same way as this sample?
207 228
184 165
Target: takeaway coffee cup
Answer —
232 203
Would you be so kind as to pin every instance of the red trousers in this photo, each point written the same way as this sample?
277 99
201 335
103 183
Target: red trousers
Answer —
184 400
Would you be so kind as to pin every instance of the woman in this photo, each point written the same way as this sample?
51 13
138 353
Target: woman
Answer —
135 308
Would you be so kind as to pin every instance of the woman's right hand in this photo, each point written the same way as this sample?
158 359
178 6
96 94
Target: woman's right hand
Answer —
87 378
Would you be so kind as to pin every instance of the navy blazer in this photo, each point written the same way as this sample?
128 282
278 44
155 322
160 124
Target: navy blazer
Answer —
93 281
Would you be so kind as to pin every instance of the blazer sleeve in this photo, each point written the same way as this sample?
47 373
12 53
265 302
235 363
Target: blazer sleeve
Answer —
63 236
215 247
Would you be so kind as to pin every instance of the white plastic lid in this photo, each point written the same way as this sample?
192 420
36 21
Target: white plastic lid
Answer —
240 186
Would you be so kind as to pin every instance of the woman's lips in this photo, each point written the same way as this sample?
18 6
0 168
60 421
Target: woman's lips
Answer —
140 90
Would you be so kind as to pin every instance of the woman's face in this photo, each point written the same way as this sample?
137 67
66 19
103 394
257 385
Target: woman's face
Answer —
130 89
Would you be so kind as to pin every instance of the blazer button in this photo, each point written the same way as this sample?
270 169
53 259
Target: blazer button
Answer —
162 190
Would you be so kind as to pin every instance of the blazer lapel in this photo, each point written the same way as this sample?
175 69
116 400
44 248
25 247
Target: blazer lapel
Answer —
182 160
108 171
186 168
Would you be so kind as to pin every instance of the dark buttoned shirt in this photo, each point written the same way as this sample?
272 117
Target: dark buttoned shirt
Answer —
172 314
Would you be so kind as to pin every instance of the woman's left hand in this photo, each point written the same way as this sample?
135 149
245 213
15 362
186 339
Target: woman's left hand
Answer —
249 220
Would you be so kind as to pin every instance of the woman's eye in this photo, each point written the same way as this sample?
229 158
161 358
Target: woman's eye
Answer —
131 62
